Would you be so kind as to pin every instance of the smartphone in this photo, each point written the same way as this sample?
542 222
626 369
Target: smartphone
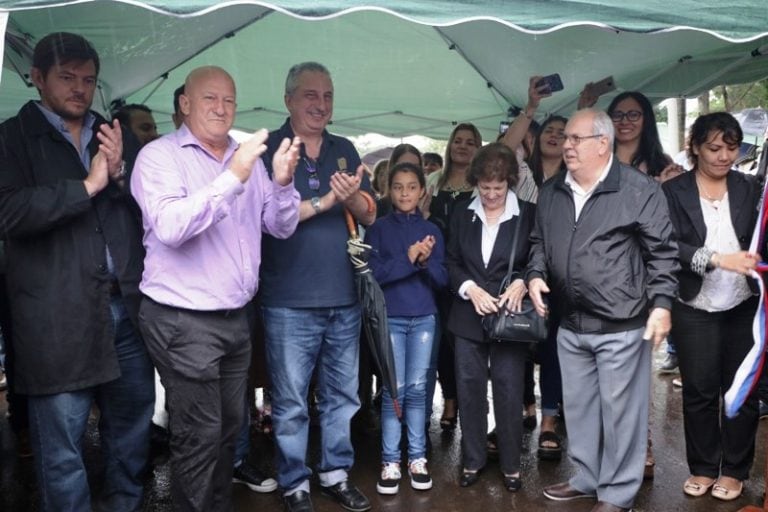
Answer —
604 86
552 82
503 126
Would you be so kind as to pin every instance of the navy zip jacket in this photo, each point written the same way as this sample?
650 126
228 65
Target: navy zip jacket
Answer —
408 288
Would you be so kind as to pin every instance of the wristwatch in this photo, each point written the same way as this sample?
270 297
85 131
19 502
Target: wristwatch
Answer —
315 202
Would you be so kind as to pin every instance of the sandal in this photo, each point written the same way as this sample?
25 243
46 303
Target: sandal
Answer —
529 417
696 489
721 492
529 421
550 452
448 423
650 462
491 445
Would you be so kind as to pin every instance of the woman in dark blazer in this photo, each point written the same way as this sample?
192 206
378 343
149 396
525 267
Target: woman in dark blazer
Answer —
714 210
478 258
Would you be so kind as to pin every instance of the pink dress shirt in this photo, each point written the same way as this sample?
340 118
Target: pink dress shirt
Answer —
202 227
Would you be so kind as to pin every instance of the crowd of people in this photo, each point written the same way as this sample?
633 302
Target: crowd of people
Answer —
199 259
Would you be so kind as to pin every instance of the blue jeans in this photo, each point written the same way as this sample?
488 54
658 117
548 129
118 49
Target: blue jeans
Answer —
298 340
412 339
243 443
58 423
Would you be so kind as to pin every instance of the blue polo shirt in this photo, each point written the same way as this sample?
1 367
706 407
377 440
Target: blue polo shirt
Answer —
311 268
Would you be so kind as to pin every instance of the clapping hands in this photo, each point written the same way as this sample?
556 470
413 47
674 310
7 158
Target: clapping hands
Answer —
420 251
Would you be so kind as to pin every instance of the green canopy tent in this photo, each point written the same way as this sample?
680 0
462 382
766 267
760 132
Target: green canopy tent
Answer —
399 67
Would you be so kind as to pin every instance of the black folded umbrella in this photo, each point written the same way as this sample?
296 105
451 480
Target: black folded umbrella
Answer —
374 311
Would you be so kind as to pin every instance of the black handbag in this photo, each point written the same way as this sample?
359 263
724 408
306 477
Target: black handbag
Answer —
525 326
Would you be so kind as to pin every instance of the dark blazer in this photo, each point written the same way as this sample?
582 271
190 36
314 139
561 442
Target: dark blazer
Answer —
464 260
55 242
688 220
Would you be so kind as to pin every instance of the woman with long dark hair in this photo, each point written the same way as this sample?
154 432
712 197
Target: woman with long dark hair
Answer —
637 141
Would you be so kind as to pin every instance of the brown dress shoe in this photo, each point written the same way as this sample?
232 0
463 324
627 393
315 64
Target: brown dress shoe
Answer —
564 492
602 506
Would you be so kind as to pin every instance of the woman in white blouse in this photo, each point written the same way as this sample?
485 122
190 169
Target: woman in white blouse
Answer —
713 210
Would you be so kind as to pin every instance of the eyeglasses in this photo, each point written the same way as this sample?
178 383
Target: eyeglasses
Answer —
575 140
633 115
314 180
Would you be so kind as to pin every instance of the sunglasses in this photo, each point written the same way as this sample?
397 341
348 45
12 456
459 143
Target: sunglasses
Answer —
633 115
314 180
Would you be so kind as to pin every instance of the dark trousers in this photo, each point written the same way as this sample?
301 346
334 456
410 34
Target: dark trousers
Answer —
202 358
529 385
710 348
507 365
445 359
18 414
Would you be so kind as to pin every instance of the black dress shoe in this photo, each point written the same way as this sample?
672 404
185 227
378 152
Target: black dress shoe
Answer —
298 502
513 483
468 478
348 496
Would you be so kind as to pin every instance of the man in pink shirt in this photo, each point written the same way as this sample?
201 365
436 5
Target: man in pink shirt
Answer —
205 202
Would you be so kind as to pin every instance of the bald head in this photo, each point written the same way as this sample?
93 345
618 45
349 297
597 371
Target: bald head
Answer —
208 104
205 73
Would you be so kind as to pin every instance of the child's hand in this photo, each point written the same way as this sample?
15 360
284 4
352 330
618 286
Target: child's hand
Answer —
427 244
415 252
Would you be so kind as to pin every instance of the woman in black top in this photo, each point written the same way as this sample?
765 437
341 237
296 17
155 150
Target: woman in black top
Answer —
452 187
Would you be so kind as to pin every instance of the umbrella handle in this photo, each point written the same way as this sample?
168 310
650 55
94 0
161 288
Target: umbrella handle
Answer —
398 409
351 222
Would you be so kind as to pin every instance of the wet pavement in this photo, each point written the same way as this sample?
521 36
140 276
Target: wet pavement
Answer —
663 494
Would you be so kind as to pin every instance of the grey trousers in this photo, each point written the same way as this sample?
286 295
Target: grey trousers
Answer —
606 392
202 358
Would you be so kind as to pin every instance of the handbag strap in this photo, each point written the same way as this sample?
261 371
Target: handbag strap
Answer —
514 249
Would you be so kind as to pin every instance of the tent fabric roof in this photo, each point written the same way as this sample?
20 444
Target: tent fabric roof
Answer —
735 20
400 67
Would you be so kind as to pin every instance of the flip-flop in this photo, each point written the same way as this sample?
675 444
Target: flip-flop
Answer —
696 489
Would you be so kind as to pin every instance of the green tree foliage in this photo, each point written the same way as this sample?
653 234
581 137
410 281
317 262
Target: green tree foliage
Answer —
733 98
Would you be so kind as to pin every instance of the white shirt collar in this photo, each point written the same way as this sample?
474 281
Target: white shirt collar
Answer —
511 208
577 188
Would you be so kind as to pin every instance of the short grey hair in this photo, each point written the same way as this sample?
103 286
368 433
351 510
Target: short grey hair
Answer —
292 80
602 124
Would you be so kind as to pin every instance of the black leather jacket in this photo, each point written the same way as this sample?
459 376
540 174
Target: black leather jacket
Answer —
619 259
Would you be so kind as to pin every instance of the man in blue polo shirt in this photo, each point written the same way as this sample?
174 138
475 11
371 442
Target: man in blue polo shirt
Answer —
311 310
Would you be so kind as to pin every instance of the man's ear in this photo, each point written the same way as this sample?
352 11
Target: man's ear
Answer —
37 77
184 104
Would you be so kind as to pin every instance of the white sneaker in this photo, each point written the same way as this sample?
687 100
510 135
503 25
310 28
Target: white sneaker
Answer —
420 479
389 482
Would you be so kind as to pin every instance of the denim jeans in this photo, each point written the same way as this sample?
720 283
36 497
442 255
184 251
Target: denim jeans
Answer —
298 341
412 339
58 423
243 443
